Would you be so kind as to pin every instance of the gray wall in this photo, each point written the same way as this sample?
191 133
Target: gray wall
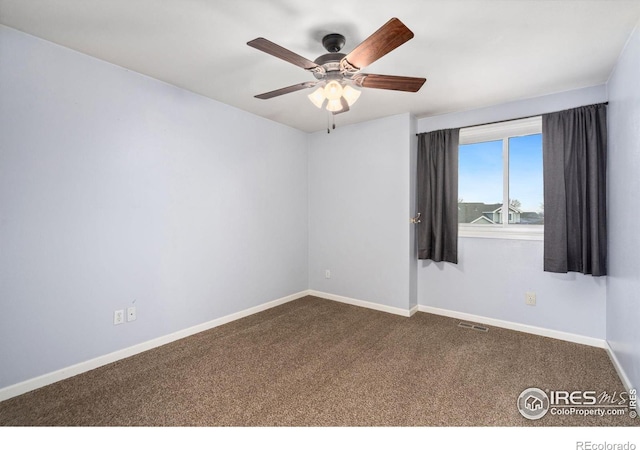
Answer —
116 188
359 210
493 274
623 301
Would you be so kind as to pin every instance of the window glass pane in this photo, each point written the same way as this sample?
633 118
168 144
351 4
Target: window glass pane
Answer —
480 183
525 180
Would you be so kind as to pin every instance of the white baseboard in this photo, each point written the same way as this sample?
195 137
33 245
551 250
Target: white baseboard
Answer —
621 373
561 335
67 372
555 334
362 303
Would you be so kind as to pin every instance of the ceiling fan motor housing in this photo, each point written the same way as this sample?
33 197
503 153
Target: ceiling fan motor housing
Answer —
330 62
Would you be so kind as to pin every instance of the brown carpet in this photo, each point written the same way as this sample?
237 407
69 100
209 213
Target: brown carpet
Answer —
315 362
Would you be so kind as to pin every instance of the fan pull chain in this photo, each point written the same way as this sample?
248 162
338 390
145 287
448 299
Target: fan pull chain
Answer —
331 124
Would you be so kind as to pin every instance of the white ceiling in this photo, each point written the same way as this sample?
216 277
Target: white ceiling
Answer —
473 53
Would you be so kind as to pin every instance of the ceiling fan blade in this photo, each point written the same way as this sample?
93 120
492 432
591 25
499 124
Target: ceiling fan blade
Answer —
389 36
287 90
391 82
282 53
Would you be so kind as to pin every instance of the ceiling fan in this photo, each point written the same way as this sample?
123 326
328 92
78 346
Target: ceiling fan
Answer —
337 74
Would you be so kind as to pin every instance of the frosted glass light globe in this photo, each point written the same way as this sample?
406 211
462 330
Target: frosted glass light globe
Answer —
333 90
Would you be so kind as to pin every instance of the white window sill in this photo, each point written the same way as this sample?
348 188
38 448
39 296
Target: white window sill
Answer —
522 232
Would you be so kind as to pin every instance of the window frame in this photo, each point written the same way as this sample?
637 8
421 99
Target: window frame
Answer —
495 132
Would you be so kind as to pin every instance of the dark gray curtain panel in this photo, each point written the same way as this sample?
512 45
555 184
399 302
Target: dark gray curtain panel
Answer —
574 146
437 195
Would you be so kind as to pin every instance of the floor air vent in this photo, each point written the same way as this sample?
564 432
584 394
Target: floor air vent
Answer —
473 327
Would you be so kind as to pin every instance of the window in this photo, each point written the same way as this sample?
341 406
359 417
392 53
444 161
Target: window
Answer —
500 184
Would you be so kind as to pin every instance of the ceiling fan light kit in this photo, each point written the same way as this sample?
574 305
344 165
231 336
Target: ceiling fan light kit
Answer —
331 95
338 74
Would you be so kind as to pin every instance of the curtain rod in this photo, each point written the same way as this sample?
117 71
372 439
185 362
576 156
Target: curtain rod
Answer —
509 120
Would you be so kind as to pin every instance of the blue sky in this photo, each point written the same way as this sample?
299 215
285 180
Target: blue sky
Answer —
480 172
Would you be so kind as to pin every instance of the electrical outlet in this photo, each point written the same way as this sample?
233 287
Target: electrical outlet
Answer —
530 298
327 273
118 317
131 313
